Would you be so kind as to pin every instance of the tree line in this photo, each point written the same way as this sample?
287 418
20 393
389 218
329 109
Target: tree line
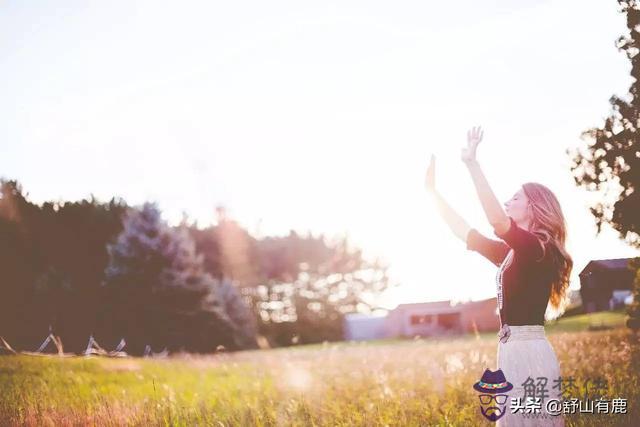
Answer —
115 271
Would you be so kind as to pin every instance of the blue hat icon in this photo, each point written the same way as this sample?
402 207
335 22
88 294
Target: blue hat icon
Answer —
493 382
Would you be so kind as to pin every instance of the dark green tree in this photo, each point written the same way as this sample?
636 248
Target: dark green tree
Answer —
610 162
52 258
21 263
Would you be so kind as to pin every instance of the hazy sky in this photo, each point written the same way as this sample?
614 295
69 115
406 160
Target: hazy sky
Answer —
313 116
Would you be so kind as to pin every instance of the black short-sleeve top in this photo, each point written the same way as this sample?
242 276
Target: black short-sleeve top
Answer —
525 273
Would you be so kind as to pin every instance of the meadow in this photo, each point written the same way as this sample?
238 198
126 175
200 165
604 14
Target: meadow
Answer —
390 382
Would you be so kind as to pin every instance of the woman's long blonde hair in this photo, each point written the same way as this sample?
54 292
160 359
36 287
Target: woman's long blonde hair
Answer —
548 222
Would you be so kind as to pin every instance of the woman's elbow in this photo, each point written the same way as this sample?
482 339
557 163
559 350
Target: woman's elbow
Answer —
501 225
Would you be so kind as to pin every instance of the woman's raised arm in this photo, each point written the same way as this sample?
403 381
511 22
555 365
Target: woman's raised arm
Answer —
492 208
456 223
494 250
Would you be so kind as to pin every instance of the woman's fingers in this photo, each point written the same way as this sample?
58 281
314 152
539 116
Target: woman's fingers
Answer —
474 135
431 171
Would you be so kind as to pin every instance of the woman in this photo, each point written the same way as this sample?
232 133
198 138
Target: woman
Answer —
534 270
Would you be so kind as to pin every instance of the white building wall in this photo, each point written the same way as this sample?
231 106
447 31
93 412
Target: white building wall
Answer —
360 327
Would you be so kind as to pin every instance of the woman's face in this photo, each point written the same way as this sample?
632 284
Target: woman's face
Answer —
516 208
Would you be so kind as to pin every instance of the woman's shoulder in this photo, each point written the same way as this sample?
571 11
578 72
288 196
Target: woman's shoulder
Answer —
545 251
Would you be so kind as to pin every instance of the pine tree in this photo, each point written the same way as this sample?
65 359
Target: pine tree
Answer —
162 295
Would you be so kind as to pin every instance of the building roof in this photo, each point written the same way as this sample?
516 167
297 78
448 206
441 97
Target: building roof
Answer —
363 316
428 305
606 264
433 307
466 304
442 306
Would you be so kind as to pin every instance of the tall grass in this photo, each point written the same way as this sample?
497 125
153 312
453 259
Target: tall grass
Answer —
413 382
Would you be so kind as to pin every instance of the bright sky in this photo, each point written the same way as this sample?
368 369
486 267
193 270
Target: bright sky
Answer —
314 117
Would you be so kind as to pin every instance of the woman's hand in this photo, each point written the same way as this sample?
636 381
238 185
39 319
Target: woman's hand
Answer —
430 181
474 136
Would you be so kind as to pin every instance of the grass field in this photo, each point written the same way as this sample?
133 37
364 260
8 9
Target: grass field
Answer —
583 322
411 382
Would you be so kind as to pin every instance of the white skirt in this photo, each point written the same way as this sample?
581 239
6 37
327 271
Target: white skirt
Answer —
527 353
